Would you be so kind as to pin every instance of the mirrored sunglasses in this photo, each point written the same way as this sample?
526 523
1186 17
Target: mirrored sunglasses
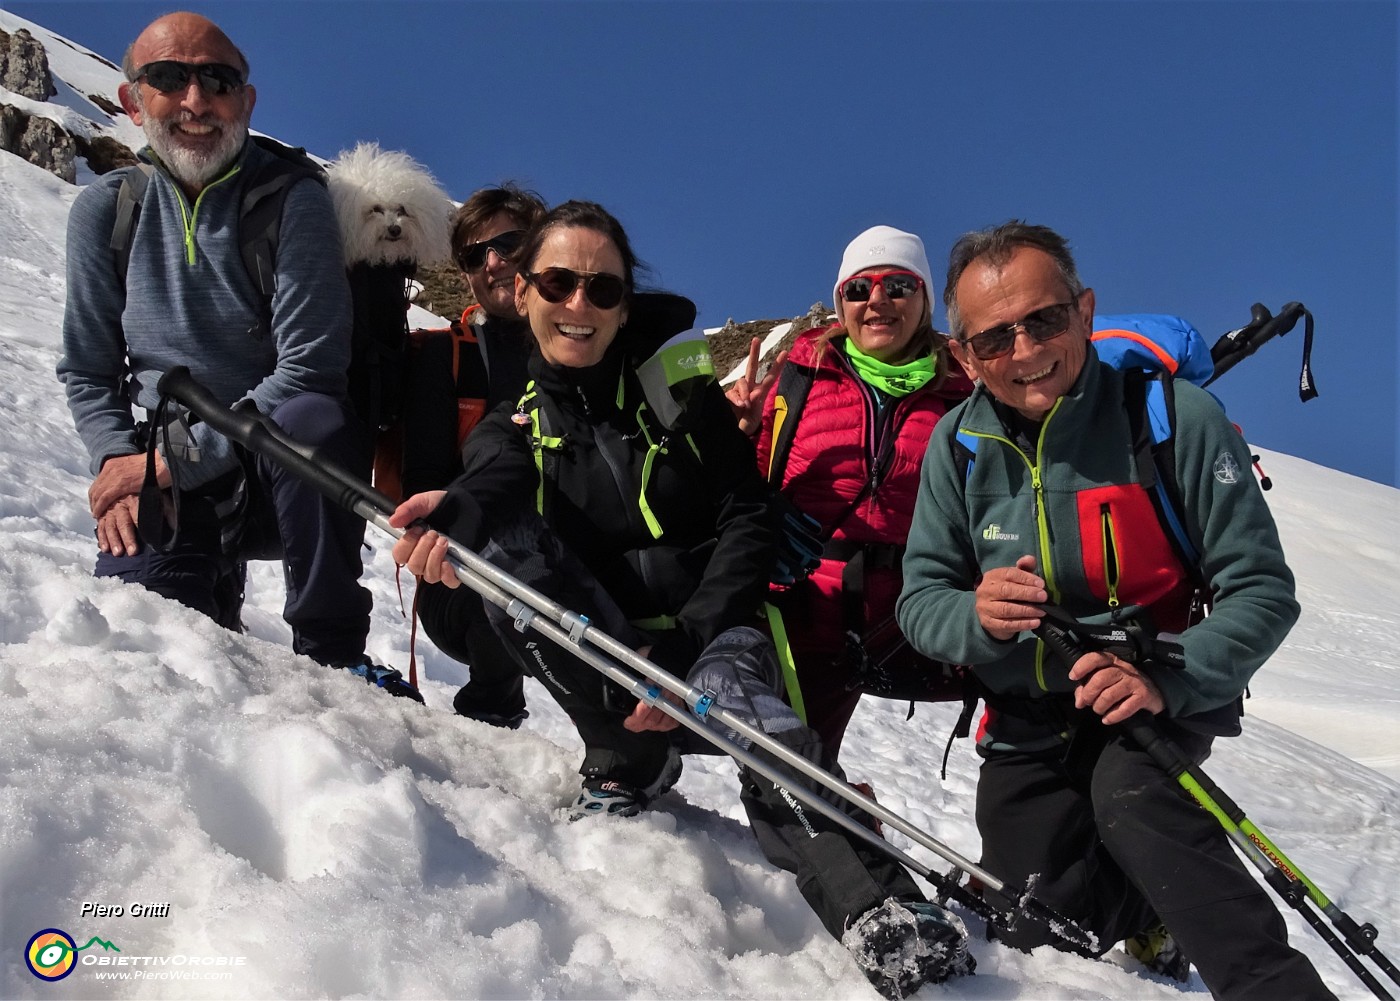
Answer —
1045 324
473 256
170 77
897 285
557 284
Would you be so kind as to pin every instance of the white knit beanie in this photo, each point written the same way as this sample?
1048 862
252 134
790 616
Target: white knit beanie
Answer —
882 245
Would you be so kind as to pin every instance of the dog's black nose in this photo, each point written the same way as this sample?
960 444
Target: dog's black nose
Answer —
395 231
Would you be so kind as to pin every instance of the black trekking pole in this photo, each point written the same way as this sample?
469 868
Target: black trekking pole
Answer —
1070 640
529 609
1237 345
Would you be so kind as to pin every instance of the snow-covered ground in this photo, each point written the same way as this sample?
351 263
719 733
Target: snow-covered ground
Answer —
328 841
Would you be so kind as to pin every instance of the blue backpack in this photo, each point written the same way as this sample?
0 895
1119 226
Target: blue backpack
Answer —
1155 350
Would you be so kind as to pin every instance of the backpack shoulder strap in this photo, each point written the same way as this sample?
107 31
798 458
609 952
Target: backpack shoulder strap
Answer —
530 414
794 384
1150 402
965 452
130 196
260 213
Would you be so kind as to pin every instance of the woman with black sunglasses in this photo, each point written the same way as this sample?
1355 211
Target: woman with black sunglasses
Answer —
848 456
655 523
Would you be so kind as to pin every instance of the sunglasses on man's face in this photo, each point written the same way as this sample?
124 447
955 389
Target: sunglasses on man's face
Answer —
1045 324
473 255
557 284
897 285
171 77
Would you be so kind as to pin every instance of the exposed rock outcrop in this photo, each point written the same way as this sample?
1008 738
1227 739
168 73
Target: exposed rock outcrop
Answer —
107 104
24 66
104 153
24 70
40 141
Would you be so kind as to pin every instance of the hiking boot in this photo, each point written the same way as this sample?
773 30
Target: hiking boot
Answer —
902 945
509 719
604 797
387 678
1157 950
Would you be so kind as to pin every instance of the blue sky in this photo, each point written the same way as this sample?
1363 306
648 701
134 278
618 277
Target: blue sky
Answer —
1199 156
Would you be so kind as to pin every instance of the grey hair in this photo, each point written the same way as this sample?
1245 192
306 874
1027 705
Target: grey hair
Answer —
996 244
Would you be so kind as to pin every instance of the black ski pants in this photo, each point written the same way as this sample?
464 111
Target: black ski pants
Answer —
456 621
1116 844
839 875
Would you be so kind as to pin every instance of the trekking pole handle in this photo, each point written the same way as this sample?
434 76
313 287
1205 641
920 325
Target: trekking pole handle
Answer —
253 430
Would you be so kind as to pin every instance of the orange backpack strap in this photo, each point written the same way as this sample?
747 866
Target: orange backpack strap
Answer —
468 378
470 407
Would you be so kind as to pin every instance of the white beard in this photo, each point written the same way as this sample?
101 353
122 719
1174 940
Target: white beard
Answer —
194 168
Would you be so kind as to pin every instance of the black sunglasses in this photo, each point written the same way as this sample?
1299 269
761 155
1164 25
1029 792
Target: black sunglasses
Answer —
556 285
473 255
169 76
897 285
1045 324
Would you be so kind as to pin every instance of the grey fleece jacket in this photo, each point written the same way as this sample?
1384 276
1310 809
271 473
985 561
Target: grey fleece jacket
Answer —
188 300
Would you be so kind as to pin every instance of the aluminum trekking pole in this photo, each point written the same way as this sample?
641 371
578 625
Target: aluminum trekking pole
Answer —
1069 643
530 609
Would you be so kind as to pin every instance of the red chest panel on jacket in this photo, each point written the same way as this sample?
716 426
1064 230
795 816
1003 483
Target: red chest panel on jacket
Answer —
1126 556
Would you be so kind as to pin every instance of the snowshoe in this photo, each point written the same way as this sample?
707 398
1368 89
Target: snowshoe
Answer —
387 678
604 797
902 945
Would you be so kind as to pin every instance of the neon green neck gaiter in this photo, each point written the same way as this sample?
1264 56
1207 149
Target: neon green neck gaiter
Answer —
896 380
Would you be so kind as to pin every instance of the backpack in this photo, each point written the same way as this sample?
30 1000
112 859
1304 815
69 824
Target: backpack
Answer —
377 348
471 384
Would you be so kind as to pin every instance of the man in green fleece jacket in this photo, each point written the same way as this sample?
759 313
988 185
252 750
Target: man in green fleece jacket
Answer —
1051 510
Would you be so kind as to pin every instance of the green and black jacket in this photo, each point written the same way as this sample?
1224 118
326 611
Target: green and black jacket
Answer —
1075 503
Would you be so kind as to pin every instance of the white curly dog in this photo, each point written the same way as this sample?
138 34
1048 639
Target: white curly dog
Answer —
389 207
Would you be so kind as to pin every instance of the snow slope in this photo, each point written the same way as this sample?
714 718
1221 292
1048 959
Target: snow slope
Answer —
321 839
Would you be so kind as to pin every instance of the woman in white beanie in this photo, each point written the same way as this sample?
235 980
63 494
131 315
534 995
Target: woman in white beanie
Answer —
842 436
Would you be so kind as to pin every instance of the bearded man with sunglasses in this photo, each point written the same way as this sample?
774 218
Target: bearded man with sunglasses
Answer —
1049 507
184 297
